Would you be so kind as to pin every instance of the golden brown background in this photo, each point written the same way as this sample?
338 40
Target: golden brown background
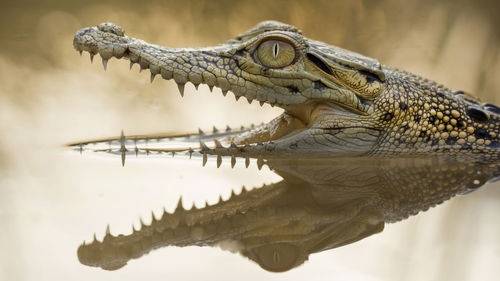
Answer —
51 199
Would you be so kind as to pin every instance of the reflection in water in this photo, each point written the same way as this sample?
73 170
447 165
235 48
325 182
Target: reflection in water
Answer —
319 205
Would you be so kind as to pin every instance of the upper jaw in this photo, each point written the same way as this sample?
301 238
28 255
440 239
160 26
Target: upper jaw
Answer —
218 66
229 66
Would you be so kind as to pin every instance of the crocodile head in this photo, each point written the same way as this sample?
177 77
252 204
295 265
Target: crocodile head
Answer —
335 102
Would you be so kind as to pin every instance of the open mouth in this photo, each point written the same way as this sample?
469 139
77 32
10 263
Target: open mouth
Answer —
272 64
287 124
108 41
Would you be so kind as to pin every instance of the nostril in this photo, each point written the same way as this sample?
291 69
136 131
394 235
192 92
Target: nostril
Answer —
111 28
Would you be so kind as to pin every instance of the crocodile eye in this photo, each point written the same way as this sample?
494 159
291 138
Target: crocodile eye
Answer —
275 53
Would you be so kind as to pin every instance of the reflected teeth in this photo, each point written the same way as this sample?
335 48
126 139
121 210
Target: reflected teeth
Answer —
204 162
219 161
260 163
233 161
152 77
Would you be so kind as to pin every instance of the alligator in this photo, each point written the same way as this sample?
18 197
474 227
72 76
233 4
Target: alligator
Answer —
336 103
320 204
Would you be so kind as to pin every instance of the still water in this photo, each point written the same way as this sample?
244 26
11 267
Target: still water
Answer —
52 200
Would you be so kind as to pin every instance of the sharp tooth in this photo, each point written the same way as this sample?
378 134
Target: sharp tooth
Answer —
196 86
123 157
203 146
228 129
247 162
152 77
108 231
260 163
217 143
237 97
219 161
80 53
105 63
131 64
215 130
200 132
92 57
272 104
190 152
179 205
204 159
224 92
233 145
249 101
181 89
211 88
233 161
261 103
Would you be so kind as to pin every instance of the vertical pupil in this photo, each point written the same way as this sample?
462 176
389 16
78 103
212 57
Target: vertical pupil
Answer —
275 49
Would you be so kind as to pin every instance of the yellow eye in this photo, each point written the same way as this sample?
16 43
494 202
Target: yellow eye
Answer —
275 53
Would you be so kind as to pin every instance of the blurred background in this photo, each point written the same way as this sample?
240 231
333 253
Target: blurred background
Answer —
52 199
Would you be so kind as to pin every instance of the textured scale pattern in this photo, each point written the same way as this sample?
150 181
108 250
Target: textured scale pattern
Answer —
336 102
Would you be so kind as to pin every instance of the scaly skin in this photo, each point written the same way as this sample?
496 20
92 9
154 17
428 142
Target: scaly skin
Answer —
319 205
336 102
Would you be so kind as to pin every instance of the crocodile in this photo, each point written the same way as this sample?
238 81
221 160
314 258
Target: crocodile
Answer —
336 103
319 205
